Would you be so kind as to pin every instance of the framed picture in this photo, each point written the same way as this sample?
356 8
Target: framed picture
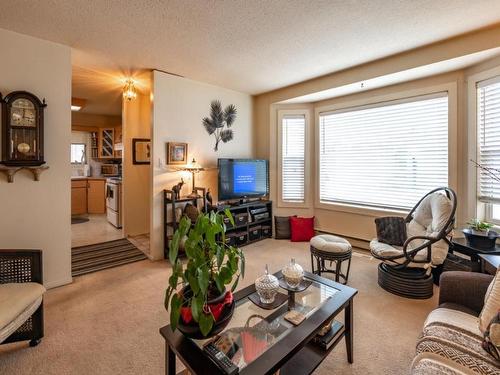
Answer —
177 153
141 151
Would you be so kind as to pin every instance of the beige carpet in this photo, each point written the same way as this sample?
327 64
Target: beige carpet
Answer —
107 322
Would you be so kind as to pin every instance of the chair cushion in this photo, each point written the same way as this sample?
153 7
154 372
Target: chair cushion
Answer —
433 212
15 298
330 243
301 228
391 230
491 303
383 250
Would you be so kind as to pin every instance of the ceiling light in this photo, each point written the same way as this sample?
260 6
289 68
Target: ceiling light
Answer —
77 104
129 90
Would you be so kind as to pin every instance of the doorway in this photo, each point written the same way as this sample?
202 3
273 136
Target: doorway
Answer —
97 157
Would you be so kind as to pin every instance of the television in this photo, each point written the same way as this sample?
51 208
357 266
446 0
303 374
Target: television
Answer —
240 178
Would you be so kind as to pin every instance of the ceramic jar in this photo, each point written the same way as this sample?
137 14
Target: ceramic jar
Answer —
267 286
293 274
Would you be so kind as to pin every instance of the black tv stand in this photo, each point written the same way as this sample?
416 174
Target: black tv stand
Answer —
253 221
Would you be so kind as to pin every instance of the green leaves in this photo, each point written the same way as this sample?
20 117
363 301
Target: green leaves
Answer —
211 265
175 311
206 322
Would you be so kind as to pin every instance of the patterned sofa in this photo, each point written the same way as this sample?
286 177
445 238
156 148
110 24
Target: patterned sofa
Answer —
450 342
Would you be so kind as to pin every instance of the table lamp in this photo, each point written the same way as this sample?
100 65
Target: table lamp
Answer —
194 168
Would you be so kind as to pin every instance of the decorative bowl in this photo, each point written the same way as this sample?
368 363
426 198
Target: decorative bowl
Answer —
293 273
267 286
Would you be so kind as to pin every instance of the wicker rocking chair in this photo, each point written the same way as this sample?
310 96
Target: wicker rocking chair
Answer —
406 270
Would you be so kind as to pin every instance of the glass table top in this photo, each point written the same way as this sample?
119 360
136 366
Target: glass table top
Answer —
253 330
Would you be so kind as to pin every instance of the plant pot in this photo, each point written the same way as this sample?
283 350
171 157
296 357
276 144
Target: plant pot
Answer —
192 329
481 240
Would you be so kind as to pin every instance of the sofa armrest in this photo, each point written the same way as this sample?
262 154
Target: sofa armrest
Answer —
21 266
464 288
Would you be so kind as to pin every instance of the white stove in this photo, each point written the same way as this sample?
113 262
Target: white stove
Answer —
114 201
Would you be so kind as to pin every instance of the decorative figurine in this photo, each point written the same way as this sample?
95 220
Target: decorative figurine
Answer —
293 274
208 197
267 286
177 189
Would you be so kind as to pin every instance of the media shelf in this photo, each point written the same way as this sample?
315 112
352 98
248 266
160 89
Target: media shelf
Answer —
253 222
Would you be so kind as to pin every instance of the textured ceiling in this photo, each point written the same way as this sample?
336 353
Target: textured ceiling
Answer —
252 45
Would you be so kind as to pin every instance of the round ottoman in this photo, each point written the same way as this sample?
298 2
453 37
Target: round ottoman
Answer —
326 247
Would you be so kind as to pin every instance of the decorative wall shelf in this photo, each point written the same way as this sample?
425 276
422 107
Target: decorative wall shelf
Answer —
10 172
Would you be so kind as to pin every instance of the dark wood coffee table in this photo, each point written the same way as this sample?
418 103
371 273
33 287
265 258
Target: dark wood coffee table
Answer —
291 349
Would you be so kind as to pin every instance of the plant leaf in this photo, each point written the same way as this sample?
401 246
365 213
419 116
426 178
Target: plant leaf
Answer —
203 279
219 282
233 288
226 135
216 114
220 256
175 312
209 126
206 323
197 306
173 249
229 216
226 275
230 114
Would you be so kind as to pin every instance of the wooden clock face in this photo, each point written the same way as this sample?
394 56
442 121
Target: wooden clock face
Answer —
23 113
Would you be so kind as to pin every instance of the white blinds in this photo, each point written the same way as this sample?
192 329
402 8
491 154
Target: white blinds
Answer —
293 134
384 155
488 124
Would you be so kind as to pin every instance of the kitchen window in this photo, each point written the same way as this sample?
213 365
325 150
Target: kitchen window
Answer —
384 155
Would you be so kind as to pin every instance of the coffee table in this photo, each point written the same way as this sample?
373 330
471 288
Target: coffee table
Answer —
288 348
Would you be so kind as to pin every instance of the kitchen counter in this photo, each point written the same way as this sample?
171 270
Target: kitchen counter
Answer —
87 178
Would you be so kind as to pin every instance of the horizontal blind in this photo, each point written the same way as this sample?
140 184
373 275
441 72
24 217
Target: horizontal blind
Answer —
293 134
488 124
386 155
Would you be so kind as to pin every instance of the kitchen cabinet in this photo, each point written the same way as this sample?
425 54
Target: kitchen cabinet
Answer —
96 196
106 143
79 197
88 196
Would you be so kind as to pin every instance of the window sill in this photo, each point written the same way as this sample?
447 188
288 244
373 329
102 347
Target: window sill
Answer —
360 209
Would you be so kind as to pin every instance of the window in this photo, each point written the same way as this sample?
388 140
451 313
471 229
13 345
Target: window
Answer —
78 153
488 126
293 137
384 155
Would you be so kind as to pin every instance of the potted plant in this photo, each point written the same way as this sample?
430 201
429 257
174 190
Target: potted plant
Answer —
203 306
480 235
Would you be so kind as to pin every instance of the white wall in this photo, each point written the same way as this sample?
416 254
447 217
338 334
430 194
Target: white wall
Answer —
36 215
179 106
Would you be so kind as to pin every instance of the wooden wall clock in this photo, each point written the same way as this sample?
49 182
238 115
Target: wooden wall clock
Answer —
22 129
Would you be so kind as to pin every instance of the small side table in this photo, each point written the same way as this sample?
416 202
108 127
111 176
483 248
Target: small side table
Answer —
489 263
459 245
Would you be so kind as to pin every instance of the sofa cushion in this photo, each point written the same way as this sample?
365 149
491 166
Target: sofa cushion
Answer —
427 363
491 341
455 336
491 303
15 298
282 227
301 228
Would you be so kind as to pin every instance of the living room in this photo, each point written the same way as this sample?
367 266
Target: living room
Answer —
347 125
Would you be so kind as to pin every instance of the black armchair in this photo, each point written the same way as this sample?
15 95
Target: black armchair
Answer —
22 266
405 270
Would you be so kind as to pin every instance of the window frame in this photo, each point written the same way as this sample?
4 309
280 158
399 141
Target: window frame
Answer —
476 208
374 101
84 152
307 154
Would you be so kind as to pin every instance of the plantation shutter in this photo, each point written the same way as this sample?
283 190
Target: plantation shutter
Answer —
488 124
293 135
384 155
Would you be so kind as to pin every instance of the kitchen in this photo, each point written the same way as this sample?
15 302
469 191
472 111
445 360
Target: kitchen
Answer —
96 164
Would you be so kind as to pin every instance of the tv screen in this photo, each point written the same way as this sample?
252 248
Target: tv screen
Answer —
242 178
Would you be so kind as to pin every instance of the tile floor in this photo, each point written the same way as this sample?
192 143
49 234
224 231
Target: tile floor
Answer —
141 242
96 230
